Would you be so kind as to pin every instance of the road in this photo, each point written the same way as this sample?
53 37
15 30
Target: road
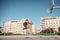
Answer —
29 37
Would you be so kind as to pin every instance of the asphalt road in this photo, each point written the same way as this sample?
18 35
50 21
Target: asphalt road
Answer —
29 37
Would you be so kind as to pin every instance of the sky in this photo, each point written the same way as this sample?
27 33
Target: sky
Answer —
32 9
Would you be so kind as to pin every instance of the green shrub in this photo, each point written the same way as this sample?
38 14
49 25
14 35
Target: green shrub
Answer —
8 33
1 33
58 33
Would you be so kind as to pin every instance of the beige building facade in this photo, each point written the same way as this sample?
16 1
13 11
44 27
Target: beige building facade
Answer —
17 27
50 22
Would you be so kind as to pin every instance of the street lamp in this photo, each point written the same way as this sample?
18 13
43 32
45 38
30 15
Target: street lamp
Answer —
25 26
52 6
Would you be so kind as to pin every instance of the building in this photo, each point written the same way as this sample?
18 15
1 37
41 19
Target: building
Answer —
50 22
18 27
34 29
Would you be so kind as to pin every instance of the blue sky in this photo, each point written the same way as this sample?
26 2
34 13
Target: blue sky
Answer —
32 9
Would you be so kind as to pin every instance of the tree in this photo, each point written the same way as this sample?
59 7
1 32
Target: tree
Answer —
48 30
0 29
59 29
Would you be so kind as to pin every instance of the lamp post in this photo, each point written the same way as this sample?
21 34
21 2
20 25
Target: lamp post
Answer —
49 10
27 25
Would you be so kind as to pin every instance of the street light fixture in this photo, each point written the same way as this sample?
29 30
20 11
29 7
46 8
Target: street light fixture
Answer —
53 6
